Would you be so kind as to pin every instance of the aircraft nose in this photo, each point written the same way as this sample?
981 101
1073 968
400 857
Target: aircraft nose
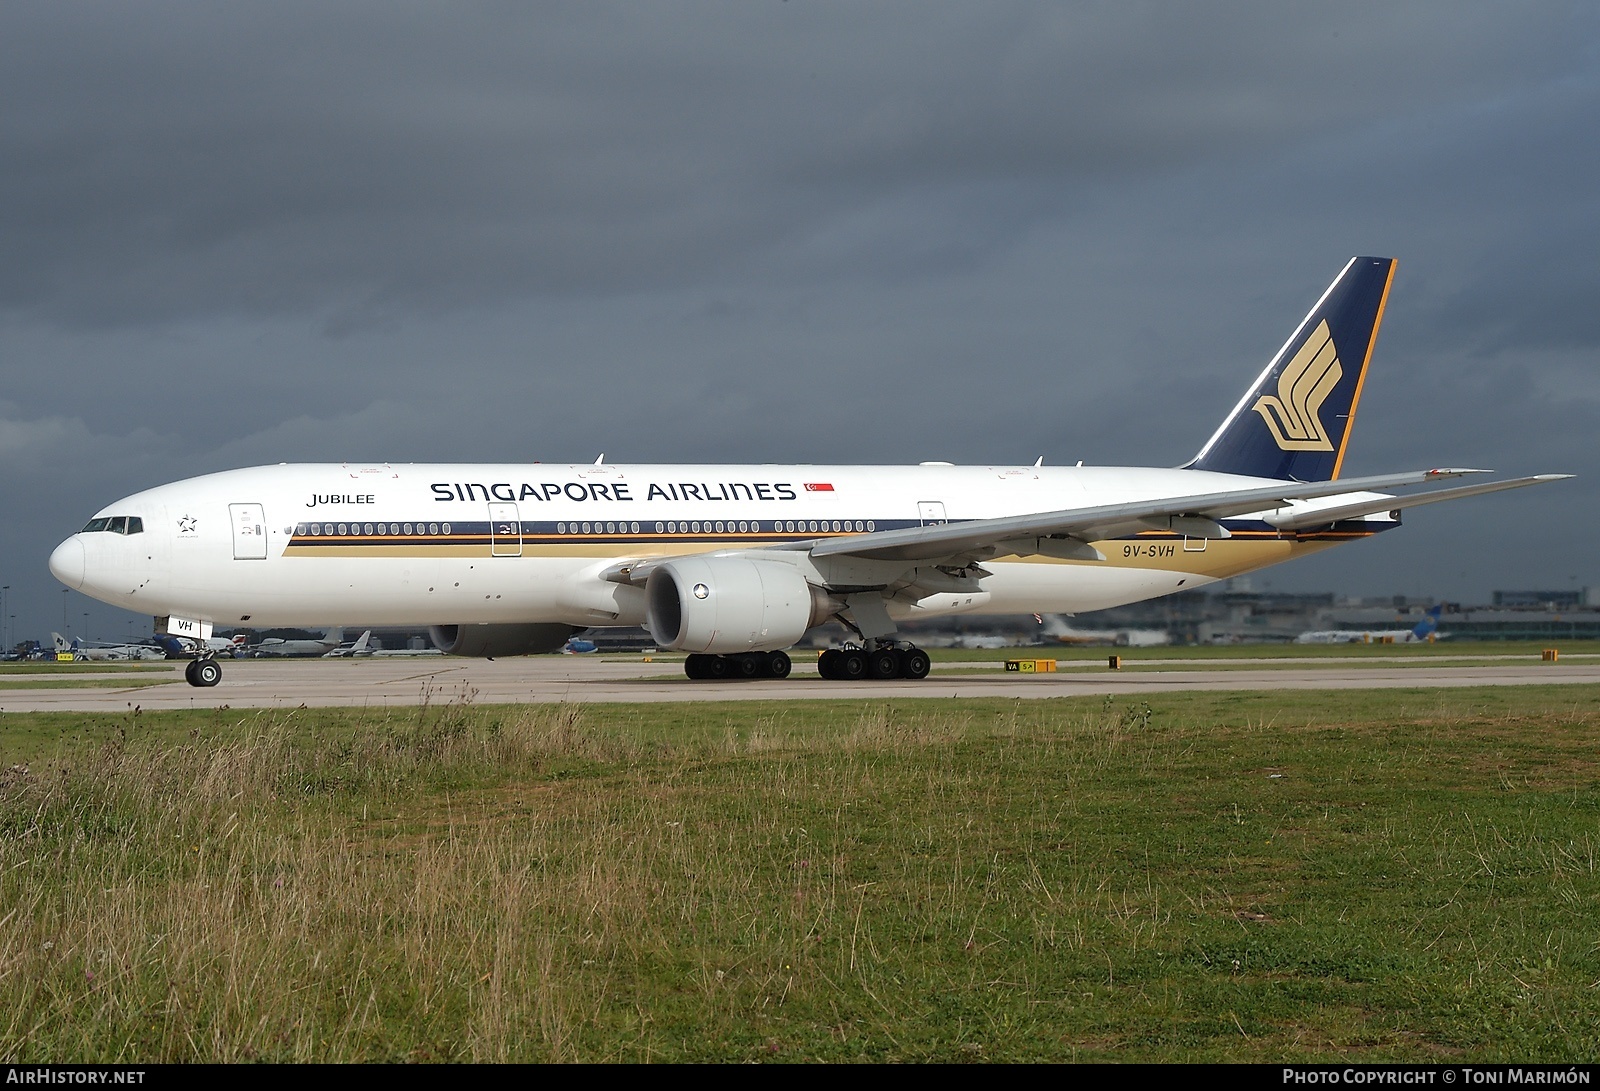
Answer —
67 562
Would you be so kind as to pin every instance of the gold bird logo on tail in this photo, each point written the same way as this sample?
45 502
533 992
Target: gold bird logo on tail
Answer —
1303 386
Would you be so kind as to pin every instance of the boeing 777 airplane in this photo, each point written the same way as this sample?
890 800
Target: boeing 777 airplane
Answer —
1426 629
733 564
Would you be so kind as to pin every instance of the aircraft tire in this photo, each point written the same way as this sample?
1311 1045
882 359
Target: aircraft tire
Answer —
717 668
207 673
695 666
852 666
915 664
883 665
779 665
828 664
188 672
752 665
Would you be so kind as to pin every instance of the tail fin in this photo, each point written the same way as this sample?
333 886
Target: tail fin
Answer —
62 647
1294 421
1428 625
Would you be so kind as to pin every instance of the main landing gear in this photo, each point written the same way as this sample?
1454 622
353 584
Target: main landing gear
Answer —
735 668
847 664
883 662
203 673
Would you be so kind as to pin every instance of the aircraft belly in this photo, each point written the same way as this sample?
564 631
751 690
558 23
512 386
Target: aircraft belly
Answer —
1056 588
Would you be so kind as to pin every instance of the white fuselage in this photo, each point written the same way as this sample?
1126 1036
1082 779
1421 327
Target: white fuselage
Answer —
460 544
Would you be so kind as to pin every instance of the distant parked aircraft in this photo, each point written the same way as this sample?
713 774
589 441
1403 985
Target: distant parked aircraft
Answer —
360 647
276 646
96 650
1426 629
231 648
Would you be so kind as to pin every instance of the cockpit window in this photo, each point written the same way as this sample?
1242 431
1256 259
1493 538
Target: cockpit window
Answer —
115 524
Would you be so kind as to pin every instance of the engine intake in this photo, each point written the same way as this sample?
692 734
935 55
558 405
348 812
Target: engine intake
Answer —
487 641
728 604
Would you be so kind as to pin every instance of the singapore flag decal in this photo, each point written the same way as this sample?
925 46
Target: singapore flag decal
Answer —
818 486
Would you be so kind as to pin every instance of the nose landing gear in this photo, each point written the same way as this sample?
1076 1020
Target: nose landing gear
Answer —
203 673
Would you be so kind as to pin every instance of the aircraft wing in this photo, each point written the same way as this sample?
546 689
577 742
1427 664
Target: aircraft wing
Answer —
1068 532
1195 515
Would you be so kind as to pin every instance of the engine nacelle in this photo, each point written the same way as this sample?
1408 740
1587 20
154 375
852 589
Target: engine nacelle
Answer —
486 641
729 604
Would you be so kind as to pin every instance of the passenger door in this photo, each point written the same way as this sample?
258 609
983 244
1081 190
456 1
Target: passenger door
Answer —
249 523
505 530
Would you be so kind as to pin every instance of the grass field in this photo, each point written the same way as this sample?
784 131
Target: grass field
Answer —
1401 875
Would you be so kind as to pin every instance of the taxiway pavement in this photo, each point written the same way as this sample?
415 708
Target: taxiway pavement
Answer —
595 679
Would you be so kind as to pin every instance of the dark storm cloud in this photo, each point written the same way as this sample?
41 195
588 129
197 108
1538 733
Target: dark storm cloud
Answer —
166 162
791 232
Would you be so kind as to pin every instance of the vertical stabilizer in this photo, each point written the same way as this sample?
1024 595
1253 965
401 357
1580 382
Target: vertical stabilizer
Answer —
1294 421
1428 625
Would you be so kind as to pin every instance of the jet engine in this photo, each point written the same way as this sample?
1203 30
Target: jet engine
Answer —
492 640
723 605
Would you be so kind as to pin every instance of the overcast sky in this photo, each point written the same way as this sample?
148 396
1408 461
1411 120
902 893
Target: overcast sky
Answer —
808 232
